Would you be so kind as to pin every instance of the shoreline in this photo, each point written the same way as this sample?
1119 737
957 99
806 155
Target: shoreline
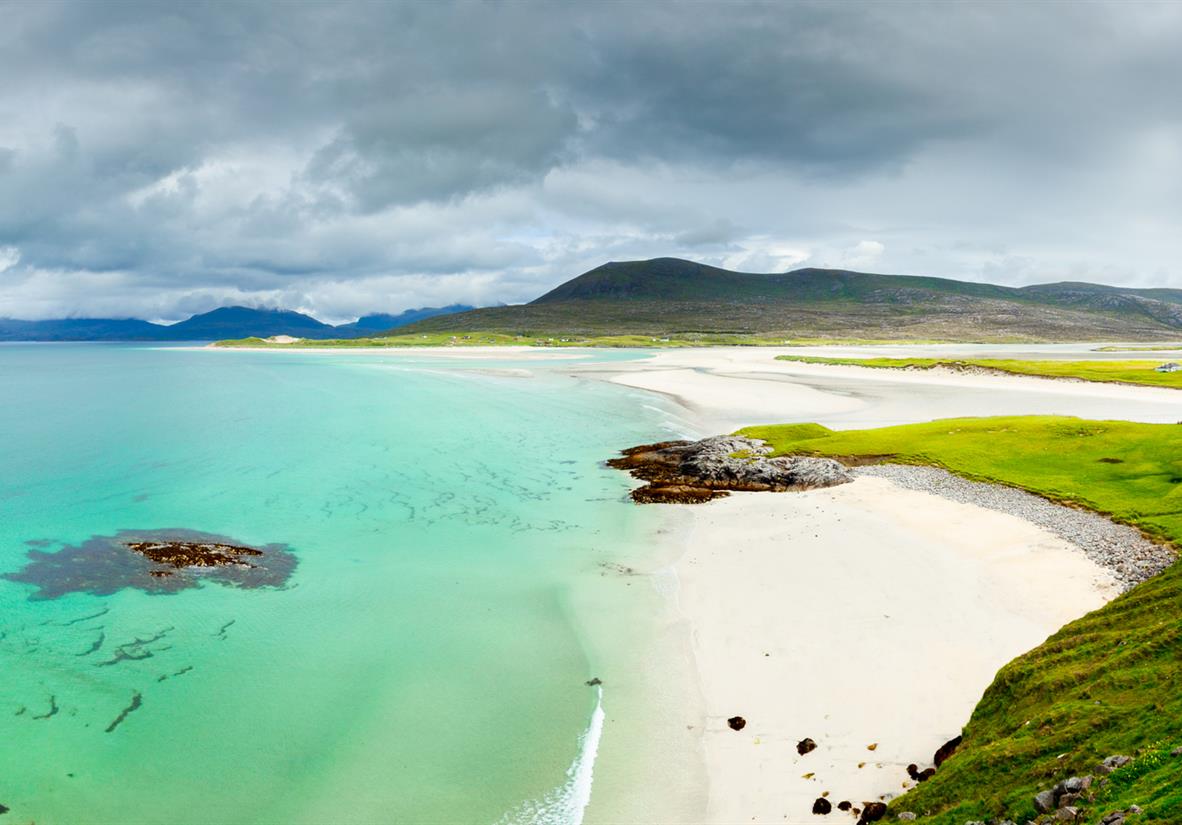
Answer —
872 613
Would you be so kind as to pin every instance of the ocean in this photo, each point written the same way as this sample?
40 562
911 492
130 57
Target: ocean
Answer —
453 575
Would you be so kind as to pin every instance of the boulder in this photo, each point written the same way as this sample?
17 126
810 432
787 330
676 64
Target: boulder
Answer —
872 812
1044 801
1113 762
1074 784
737 722
805 745
1068 813
1176 752
946 750
822 806
907 816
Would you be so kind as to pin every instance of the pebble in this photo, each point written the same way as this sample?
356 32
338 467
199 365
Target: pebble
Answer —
1130 556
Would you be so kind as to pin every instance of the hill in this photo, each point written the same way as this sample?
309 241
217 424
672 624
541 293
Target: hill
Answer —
369 324
224 322
669 296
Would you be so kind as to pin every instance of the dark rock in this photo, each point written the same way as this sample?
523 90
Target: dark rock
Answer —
1067 813
872 812
4 809
1044 801
805 745
737 722
925 774
946 750
844 805
155 561
178 554
822 806
1114 818
913 771
1176 752
1113 762
1067 799
1075 784
696 471
594 682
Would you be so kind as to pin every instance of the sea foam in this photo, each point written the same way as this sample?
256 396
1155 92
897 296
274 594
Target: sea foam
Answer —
566 804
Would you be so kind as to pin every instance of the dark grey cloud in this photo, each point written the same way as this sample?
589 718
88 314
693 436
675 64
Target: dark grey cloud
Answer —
161 158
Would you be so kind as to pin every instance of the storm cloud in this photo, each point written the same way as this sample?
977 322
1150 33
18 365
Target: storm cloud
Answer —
161 159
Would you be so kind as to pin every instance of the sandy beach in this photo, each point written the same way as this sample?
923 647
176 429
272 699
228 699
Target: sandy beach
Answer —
867 617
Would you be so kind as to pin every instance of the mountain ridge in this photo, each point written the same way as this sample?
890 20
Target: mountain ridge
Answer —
223 322
671 296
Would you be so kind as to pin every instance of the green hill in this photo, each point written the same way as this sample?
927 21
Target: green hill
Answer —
669 296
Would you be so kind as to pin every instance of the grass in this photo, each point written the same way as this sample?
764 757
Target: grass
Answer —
1152 348
1108 683
1111 372
916 320
487 339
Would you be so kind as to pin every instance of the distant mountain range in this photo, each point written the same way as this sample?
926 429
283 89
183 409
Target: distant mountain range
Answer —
226 322
669 296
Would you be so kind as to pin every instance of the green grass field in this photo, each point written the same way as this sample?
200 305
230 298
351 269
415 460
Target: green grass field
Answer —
1112 372
498 339
1108 683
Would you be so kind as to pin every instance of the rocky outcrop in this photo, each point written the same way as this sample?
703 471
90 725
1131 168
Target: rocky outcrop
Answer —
688 472
154 561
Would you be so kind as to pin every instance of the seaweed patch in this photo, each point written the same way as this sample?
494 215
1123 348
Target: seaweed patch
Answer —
158 562
137 700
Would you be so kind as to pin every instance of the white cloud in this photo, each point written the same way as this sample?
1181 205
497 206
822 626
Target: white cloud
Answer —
10 256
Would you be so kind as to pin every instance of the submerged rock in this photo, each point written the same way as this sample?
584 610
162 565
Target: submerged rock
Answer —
154 561
822 806
689 472
737 722
805 745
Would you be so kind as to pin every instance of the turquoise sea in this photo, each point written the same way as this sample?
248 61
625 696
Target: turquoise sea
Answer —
426 660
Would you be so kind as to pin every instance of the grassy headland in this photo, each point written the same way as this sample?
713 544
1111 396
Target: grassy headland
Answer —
1108 683
1112 372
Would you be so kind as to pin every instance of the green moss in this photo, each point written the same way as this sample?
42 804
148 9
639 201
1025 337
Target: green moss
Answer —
1115 372
1108 683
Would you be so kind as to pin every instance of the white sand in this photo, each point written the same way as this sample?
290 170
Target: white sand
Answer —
728 387
865 613
857 615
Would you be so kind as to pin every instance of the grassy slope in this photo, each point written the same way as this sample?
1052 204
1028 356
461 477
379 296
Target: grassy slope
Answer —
982 320
1110 682
1113 372
487 339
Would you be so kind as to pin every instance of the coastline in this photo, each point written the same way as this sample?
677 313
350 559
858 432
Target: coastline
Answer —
873 613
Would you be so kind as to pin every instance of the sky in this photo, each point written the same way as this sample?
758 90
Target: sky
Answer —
160 159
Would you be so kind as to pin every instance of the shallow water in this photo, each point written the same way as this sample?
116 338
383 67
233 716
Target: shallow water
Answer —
426 660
